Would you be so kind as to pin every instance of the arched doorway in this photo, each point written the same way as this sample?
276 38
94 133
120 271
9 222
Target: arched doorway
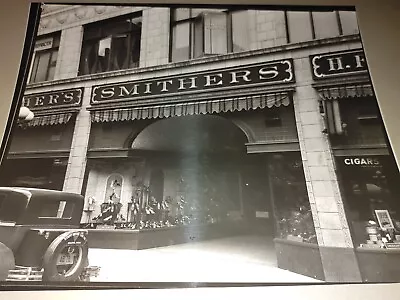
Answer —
199 168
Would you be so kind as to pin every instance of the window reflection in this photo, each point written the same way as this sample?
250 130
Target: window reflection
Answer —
111 45
45 58
199 32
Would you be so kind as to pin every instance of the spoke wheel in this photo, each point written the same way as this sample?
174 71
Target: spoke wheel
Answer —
66 257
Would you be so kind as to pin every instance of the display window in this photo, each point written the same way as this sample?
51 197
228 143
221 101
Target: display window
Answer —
42 173
369 184
291 205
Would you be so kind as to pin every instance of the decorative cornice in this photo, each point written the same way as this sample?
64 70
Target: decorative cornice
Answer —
66 16
51 8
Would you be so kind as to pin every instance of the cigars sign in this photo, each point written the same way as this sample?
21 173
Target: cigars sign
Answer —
338 63
215 80
55 99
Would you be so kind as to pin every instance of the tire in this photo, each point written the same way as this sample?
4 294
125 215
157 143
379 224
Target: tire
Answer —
7 261
69 241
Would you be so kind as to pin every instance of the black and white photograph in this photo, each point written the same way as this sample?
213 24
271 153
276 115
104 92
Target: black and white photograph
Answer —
198 144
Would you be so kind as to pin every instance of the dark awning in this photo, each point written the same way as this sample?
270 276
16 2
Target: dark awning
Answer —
346 91
193 108
54 119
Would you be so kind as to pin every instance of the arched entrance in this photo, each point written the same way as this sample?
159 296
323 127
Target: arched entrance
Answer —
198 167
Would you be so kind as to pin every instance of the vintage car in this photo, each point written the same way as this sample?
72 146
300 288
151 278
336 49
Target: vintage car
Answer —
40 239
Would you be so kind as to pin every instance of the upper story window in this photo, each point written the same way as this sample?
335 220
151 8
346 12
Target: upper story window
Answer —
201 32
305 26
111 45
45 58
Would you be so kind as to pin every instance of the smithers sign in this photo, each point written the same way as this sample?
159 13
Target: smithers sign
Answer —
54 99
253 75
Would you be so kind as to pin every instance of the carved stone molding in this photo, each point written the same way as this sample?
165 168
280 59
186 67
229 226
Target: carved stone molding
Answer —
58 17
48 8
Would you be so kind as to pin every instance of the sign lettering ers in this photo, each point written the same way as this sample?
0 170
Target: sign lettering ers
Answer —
334 64
254 75
59 99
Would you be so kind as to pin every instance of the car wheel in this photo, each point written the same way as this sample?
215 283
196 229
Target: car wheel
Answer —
66 257
7 261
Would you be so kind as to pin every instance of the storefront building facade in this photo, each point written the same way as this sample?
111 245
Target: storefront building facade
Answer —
194 117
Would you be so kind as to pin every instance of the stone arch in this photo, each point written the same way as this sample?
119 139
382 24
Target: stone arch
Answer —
136 131
191 132
245 128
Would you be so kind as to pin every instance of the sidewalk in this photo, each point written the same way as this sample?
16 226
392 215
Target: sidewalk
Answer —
236 259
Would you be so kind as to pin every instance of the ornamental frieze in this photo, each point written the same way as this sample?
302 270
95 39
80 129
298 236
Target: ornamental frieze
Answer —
63 16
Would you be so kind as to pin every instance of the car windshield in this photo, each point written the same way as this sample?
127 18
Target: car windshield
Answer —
11 207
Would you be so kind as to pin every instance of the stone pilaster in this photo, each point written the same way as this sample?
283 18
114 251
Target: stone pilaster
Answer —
69 53
155 37
266 29
77 158
325 198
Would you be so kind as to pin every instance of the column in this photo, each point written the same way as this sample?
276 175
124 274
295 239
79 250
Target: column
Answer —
332 229
77 158
266 29
155 37
69 53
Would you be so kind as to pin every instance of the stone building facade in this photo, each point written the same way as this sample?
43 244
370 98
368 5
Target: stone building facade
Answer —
271 83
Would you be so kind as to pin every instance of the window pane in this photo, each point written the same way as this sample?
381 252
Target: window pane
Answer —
61 208
325 24
52 66
49 209
52 71
198 11
92 32
113 45
115 28
88 58
43 64
240 31
68 210
180 42
53 59
299 25
119 52
135 49
216 39
34 68
198 38
348 20
56 41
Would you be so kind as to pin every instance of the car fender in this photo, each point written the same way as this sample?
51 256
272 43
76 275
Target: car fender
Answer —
7 261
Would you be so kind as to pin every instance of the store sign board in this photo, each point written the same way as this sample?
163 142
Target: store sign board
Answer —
44 44
54 99
215 80
338 64
361 161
